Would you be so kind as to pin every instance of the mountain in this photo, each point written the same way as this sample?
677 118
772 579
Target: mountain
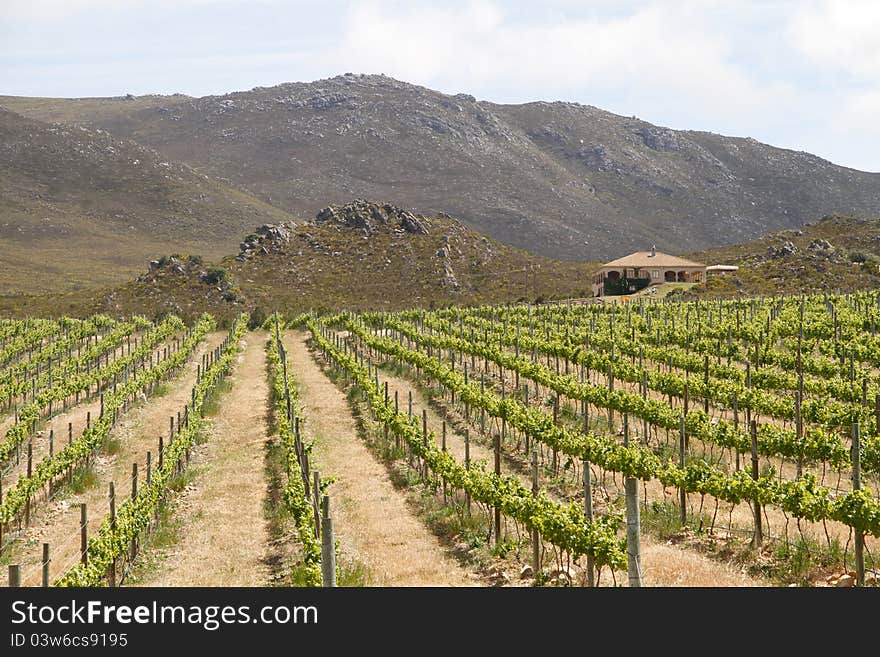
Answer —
836 253
355 256
80 208
559 179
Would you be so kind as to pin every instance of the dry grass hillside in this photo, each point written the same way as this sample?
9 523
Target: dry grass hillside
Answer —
80 208
559 179
357 256
834 253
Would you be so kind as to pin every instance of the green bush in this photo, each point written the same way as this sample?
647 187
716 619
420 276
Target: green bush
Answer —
216 275
258 317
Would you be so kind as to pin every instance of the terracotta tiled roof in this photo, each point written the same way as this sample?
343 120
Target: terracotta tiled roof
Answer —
643 259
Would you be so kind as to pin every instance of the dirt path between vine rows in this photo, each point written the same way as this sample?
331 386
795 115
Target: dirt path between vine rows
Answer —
224 537
663 564
136 432
373 522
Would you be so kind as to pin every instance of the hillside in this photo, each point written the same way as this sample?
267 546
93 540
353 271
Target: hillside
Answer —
357 256
834 253
80 208
560 179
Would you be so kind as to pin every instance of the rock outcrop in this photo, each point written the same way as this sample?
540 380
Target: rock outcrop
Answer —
266 239
368 216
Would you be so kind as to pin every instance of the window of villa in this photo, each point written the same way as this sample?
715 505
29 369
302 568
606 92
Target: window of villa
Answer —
655 273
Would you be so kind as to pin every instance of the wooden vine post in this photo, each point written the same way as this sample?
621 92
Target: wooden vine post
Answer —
385 424
588 515
328 545
759 534
799 431
536 537
83 534
113 529
610 379
14 575
45 565
467 466
857 485
682 493
134 494
497 450
633 521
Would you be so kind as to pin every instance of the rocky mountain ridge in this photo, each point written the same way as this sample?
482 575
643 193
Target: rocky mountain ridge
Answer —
558 178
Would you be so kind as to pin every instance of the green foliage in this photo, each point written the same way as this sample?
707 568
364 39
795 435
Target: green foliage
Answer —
82 479
135 515
97 434
216 275
561 525
308 571
74 377
258 318
802 498
820 443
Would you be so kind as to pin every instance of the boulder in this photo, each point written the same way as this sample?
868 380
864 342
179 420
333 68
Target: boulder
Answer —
786 249
845 581
368 216
325 215
273 232
449 278
820 245
323 101
412 224
461 549
437 125
594 157
661 139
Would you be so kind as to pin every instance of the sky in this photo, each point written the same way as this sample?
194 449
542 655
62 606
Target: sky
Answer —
800 74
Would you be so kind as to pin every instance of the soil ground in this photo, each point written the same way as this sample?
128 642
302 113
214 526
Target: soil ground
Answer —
373 522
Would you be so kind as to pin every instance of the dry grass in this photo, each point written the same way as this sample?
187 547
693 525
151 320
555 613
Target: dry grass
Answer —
669 565
224 539
663 564
374 524
57 523
733 522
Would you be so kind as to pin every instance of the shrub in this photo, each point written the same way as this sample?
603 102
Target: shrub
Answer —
258 317
216 275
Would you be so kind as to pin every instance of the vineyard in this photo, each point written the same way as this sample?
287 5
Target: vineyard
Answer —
719 443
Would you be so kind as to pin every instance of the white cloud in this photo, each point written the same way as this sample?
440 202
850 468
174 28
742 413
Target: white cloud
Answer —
843 34
859 115
660 50
803 72
54 10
